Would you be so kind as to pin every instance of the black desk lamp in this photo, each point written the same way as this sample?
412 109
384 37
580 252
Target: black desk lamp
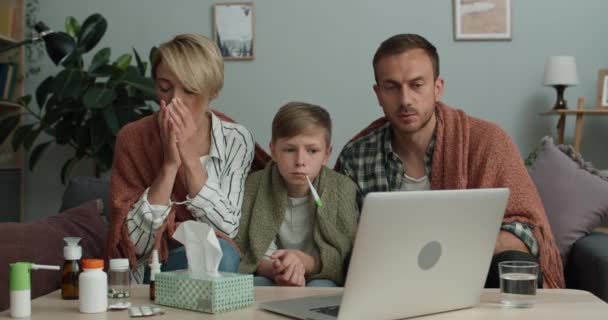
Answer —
58 44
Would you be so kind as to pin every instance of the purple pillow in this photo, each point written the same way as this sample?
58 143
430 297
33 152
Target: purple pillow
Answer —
41 241
575 195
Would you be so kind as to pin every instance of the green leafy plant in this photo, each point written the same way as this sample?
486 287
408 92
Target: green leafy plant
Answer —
83 107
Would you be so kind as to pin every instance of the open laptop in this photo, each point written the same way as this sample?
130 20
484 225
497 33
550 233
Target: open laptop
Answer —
416 253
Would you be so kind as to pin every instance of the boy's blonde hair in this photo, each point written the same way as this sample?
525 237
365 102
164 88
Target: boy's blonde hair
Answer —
195 60
297 118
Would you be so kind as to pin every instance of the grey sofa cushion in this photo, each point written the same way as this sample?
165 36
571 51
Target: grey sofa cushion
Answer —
588 267
81 189
573 193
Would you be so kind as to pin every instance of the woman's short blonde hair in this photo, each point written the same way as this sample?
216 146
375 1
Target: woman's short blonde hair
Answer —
195 60
296 118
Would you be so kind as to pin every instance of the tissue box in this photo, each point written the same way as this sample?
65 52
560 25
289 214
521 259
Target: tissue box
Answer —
211 294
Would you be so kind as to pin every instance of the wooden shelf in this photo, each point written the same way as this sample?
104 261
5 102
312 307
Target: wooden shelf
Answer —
5 41
579 112
603 111
12 163
9 104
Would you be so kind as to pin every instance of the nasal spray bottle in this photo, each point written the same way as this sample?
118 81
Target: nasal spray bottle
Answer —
154 269
19 286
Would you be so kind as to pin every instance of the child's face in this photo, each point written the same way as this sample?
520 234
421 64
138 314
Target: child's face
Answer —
300 156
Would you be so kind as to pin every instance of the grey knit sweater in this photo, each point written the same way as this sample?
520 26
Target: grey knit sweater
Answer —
263 211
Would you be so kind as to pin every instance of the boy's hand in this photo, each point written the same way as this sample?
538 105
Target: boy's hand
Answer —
292 275
288 269
285 258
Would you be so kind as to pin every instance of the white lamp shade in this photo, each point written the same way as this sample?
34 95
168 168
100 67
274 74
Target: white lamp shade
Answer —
561 70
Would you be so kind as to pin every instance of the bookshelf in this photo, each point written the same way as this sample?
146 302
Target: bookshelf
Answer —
12 163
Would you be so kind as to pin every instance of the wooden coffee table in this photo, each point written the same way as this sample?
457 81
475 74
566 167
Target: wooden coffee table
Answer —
551 304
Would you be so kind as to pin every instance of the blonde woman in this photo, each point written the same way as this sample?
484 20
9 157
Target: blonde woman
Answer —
182 163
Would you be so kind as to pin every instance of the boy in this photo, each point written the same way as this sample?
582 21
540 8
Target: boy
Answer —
287 238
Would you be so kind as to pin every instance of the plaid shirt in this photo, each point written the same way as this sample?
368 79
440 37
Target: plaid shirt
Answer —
373 165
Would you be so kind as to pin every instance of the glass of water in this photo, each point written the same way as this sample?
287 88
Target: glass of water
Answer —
518 282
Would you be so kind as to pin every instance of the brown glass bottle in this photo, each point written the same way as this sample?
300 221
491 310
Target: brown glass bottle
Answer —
69 280
152 290
154 269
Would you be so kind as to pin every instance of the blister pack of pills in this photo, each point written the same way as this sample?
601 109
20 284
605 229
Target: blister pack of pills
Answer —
145 311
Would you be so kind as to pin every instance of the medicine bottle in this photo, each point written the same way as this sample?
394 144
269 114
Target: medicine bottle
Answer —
71 269
119 284
93 295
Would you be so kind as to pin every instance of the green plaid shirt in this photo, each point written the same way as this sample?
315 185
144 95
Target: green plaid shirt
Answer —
373 165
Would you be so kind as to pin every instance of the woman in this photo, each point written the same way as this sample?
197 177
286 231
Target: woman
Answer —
179 164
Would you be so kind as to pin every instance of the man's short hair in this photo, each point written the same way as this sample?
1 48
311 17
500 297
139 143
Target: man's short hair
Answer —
401 43
195 60
296 118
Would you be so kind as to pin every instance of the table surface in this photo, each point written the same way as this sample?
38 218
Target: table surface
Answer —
551 304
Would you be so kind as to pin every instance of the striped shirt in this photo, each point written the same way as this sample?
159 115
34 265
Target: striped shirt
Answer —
373 165
218 203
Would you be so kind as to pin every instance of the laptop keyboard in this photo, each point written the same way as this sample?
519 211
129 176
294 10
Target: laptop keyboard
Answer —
331 310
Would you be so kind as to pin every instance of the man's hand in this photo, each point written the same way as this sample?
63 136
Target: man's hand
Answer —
508 241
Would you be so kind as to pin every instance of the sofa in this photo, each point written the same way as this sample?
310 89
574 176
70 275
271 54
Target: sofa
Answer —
586 264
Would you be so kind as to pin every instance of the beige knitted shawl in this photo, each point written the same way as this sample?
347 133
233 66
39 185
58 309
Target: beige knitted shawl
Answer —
263 212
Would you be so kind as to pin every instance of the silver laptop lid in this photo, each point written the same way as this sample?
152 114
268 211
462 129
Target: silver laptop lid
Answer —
421 252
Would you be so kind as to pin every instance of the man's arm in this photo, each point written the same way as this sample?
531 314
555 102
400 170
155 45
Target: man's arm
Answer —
507 241
516 236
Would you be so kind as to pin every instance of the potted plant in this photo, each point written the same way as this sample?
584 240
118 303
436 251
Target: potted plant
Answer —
83 106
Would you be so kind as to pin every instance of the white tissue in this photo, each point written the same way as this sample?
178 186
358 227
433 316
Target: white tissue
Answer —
202 248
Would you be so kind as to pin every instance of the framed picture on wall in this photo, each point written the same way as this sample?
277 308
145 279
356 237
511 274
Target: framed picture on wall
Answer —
602 88
233 29
482 19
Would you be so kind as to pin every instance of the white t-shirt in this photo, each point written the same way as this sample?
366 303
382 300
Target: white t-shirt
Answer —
412 184
296 230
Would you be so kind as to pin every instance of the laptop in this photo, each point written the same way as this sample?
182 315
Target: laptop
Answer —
416 253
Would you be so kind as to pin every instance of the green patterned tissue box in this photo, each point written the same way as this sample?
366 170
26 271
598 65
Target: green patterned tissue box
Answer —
211 294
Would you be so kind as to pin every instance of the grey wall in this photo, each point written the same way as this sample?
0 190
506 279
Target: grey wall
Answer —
320 51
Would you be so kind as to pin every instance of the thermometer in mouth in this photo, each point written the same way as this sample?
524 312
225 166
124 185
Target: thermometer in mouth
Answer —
314 194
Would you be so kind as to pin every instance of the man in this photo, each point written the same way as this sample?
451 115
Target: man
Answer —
422 144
